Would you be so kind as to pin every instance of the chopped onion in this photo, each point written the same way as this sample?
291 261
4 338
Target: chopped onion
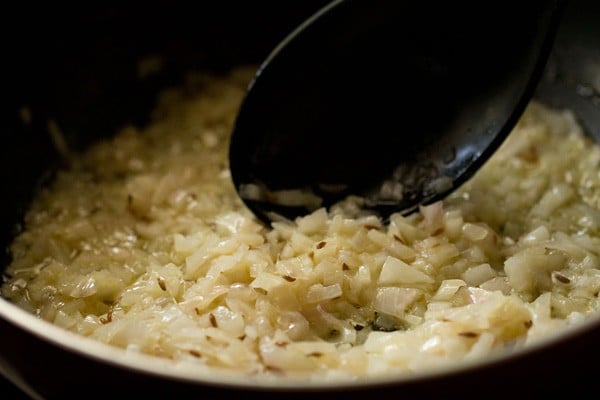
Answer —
397 271
317 293
394 300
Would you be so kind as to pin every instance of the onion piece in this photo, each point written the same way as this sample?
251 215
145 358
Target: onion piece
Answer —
395 300
397 271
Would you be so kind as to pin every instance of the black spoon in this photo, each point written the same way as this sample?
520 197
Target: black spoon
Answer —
396 102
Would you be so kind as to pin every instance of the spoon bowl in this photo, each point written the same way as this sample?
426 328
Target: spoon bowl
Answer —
396 103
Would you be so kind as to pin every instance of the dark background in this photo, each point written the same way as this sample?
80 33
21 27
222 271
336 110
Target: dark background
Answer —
76 63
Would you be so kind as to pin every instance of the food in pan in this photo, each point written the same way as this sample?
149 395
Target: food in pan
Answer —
142 243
